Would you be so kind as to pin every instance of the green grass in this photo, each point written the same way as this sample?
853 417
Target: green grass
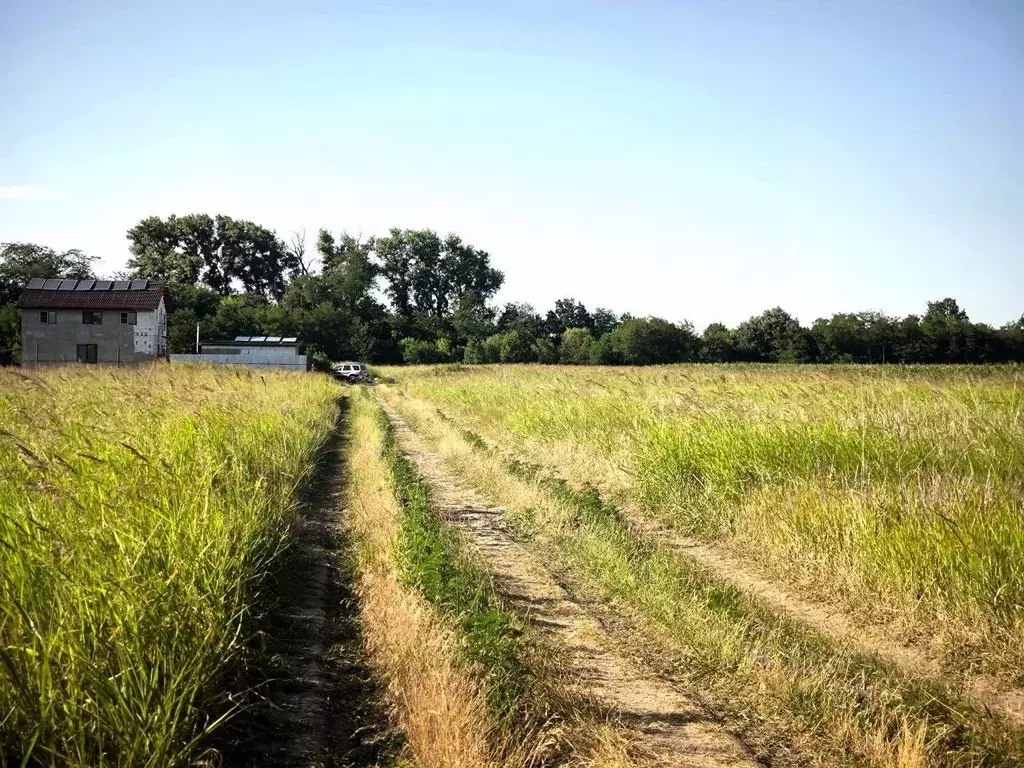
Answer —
795 694
896 491
431 558
139 510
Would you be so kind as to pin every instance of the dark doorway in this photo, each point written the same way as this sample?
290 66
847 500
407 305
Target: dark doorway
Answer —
87 353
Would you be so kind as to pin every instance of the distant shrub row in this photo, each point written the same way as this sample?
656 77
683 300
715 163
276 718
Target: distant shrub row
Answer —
944 334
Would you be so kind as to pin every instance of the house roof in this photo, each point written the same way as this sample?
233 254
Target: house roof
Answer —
54 293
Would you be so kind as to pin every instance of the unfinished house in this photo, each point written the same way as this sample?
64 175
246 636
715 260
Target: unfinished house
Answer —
92 321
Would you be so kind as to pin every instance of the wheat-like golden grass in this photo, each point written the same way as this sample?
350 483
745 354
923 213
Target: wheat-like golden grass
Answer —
796 691
896 492
437 702
138 511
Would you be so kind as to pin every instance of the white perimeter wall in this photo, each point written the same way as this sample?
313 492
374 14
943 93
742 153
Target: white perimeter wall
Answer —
290 363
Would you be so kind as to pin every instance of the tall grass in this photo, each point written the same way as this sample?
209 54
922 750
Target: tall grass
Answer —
896 491
435 698
468 679
795 695
430 558
138 511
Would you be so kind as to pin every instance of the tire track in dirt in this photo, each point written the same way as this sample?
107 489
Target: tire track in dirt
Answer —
829 620
665 724
317 706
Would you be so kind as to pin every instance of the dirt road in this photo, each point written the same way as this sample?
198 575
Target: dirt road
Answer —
667 726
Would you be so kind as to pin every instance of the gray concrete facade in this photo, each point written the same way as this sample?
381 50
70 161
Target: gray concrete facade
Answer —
116 342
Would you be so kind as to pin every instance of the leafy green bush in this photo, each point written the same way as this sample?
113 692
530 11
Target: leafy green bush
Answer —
577 346
420 352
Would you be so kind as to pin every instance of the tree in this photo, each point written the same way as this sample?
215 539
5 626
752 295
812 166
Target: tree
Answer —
545 351
19 262
603 321
336 312
577 347
217 251
521 317
716 345
911 344
242 315
466 270
10 330
984 344
345 251
568 313
773 336
650 341
201 300
864 337
472 318
254 256
427 275
1013 339
160 249
297 252
946 308
420 352
181 330
514 346
945 327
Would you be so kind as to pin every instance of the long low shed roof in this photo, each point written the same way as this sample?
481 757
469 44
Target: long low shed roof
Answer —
256 341
54 293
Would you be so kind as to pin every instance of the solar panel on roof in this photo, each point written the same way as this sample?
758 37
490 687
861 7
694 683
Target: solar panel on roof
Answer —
258 338
51 285
289 340
140 285
103 285
68 285
85 285
35 283
241 338
122 285
273 339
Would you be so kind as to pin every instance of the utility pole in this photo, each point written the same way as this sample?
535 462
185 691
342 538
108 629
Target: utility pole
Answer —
197 338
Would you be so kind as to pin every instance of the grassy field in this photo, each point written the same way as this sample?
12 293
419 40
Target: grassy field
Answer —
138 511
468 683
896 492
888 494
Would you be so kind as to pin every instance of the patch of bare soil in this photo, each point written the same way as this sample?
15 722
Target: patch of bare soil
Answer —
666 725
311 699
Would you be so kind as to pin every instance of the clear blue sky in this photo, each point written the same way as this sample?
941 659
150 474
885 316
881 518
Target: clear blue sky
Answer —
702 160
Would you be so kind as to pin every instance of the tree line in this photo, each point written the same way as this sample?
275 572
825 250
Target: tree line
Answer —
414 296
